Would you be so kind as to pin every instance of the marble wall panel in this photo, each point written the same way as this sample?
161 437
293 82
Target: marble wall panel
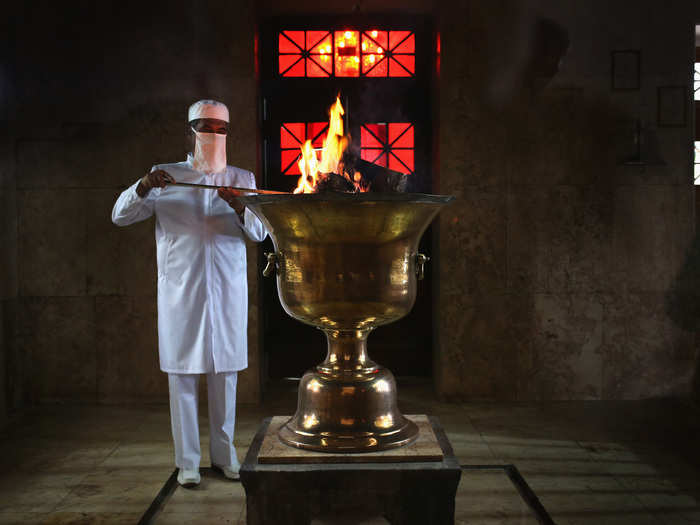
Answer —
37 161
528 252
3 368
482 339
473 148
579 238
120 260
82 157
7 167
645 354
127 363
650 235
15 362
473 242
8 241
565 359
8 276
52 242
141 137
242 140
57 339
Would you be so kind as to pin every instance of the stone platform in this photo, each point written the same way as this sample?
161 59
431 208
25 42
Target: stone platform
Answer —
412 484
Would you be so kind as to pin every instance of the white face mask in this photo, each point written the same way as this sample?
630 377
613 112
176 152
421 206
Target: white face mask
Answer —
209 152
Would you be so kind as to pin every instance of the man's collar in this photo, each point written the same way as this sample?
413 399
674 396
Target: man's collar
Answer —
190 164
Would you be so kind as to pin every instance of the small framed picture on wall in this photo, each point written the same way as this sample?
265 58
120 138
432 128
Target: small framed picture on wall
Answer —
672 106
625 69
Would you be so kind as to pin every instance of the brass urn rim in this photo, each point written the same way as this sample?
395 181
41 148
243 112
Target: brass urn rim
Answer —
413 198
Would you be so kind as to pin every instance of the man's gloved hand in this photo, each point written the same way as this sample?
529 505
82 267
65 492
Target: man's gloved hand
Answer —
155 179
231 196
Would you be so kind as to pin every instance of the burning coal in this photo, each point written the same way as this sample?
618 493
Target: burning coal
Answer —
339 168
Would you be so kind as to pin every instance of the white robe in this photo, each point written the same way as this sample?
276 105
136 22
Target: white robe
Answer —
202 281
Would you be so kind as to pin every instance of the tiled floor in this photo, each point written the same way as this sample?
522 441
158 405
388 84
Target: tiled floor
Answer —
596 463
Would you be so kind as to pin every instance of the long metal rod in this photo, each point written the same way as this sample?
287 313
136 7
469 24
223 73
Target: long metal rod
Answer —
211 187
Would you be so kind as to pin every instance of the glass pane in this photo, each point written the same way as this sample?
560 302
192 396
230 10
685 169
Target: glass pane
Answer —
697 162
316 132
291 41
374 65
374 41
347 53
375 156
375 135
696 82
289 162
401 160
396 38
402 66
316 40
321 47
401 135
291 66
325 62
407 46
313 69
291 135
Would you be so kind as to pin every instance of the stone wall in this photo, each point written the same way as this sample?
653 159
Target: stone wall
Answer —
555 264
8 280
562 260
8 229
102 93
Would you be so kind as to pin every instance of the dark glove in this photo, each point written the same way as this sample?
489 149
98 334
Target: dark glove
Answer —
155 179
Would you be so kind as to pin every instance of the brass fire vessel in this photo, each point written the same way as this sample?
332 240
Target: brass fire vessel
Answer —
347 263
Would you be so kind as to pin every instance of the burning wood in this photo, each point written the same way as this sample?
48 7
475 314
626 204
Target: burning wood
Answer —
334 182
340 169
376 178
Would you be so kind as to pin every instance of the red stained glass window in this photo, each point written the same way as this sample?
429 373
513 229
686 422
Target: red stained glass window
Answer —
292 137
348 53
389 145
305 54
388 53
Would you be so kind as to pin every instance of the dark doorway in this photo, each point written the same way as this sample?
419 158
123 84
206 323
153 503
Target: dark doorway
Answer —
381 67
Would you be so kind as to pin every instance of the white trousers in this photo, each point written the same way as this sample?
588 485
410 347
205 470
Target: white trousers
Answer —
221 393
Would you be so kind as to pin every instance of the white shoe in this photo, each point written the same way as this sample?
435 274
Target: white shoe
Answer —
188 478
229 471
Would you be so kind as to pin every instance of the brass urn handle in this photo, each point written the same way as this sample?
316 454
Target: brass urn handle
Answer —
421 259
271 263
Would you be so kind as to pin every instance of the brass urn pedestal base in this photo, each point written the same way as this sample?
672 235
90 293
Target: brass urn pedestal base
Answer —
348 403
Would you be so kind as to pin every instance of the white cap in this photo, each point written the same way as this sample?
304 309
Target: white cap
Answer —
207 109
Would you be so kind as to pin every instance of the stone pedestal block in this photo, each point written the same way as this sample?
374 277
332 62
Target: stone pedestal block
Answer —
401 491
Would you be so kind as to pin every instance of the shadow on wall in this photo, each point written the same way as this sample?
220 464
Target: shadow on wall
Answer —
545 148
565 254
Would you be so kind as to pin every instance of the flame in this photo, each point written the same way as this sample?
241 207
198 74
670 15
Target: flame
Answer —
336 142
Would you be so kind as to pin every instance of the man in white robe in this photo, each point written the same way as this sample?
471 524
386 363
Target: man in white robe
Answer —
202 284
